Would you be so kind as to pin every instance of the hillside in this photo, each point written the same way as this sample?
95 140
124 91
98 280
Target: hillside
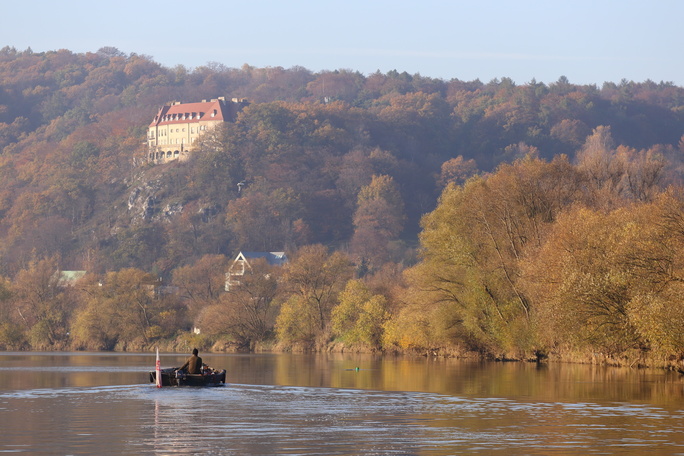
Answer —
75 182
349 161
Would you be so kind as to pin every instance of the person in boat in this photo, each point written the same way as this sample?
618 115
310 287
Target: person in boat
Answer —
193 365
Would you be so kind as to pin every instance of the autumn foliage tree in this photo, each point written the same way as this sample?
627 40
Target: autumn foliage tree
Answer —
612 281
42 304
124 311
313 279
276 213
359 317
11 337
473 245
201 283
589 282
457 170
378 220
245 314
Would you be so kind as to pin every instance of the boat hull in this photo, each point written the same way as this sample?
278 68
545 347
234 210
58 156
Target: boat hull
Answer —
171 377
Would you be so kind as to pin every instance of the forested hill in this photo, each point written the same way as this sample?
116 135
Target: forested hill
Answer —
314 150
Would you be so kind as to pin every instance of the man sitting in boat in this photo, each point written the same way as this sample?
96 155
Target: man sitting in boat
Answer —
193 365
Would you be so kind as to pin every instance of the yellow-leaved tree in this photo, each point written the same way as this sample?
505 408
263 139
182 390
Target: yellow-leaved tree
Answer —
466 290
359 317
122 310
612 282
313 279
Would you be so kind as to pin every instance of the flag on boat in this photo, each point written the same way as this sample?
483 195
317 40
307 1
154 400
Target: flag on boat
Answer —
158 371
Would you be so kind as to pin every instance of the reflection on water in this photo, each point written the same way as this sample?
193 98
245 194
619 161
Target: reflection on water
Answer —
288 404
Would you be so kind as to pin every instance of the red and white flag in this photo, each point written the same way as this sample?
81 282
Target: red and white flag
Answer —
158 371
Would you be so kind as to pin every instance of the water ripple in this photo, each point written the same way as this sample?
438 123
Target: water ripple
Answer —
249 419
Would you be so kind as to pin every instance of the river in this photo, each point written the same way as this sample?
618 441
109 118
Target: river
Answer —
103 403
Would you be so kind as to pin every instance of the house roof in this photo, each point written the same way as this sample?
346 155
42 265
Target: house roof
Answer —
183 113
273 258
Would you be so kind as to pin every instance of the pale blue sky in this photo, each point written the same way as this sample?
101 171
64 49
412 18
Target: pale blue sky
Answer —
588 41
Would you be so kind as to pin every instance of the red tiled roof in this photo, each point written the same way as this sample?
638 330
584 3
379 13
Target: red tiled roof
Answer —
204 110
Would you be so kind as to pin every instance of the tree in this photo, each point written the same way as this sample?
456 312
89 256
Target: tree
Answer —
473 244
123 310
336 85
584 279
11 335
360 316
95 325
657 310
644 172
358 167
201 283
619 174
603 169
42 304
264 221
138 245
247 312
379 219
217 167
313 278
571 132
457 170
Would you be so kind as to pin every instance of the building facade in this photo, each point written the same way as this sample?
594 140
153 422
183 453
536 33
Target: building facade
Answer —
175 130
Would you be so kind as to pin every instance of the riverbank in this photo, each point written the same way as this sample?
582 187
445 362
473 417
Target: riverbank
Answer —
184 343
635 359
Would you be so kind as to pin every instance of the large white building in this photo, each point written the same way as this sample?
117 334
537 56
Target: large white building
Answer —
174 132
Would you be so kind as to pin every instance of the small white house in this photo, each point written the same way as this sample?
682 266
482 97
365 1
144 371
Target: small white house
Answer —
242 265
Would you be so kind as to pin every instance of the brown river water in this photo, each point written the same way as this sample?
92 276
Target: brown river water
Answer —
103 403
